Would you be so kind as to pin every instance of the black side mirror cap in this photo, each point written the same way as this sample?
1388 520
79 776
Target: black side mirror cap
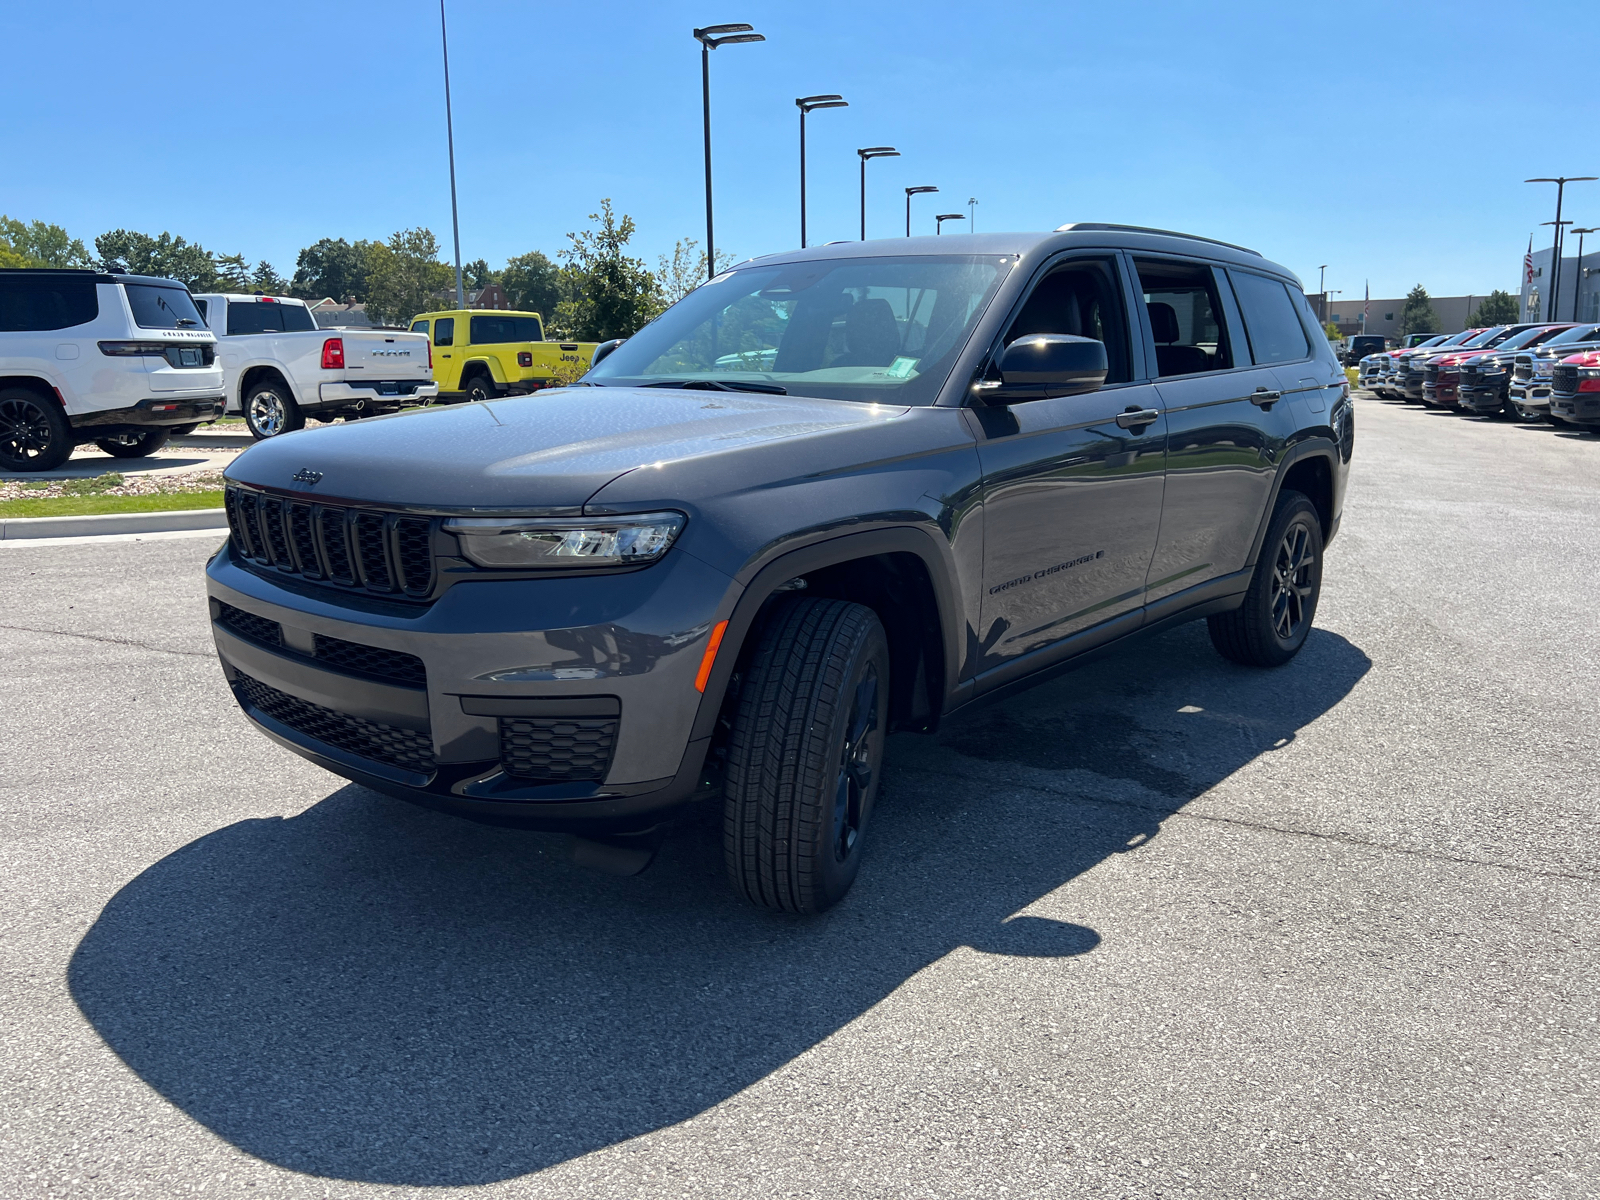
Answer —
1042 365
604 349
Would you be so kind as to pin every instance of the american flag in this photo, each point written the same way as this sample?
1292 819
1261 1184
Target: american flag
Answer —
1366 303
1527 262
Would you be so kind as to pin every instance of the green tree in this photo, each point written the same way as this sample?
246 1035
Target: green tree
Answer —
402 274
608 293
233 273
333 268
173 258
533 284
476 274
1500 308
1418 315
37 244
265 281
686 270
1331 331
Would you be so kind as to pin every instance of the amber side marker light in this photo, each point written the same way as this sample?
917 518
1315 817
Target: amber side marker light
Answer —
703 676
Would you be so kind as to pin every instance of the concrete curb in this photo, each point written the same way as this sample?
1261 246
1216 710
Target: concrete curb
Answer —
17 528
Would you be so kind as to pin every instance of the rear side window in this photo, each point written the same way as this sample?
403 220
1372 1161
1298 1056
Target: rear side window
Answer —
489 331
157 306
419 327
29 303
1276 334
1185 317
296 318
205 309
444 331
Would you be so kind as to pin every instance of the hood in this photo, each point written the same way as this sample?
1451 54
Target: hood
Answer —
551 450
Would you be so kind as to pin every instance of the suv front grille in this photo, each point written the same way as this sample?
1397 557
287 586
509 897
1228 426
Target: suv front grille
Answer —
1430 374
374 740
1523 370
557 749
392 666
1564 378
373 551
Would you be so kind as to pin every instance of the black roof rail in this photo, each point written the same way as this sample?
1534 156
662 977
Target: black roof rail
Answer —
1098 226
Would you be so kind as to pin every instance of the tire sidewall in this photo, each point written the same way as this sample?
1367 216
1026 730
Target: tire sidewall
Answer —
479 389
61 443
1294 509
286 402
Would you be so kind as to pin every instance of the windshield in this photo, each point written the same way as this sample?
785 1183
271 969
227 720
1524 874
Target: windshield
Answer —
885 330
1487 338
1578 333
1527 337
159 307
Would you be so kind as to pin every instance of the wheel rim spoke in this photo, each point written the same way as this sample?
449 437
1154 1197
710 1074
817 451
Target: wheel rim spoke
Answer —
855 775
1293 586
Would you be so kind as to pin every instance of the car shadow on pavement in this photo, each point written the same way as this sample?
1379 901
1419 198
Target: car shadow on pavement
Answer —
373 992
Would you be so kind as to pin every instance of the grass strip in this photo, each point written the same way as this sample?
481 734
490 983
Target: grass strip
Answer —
88 506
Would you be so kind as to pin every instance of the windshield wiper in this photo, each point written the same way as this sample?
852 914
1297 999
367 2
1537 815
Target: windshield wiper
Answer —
182 321
721 385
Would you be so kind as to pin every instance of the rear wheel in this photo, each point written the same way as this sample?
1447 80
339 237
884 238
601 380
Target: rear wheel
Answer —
479 388
34 433
1269 628
269 410
805 755
134 445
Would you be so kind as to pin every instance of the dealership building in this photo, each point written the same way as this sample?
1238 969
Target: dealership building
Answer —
1383 316
1579 283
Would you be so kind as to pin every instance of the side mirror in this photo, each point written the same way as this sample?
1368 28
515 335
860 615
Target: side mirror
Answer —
1041 365
604 349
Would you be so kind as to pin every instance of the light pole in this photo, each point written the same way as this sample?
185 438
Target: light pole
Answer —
1322 290
806 104
972 207
910 192
450 140
871 152
943 217
710 38
1561 182
1325 304
1577 297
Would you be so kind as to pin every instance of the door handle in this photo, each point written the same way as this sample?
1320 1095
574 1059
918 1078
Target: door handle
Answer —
1132 417
1265 397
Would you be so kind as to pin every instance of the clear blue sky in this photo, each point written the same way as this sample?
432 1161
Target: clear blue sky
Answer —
260 128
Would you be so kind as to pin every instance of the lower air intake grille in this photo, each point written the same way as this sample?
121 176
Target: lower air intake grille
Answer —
1565 378
248 625
401 748
557 749
391 666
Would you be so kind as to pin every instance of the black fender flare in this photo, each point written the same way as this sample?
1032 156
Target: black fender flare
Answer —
1315 446
936 558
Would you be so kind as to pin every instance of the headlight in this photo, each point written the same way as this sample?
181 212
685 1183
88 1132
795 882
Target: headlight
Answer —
566 543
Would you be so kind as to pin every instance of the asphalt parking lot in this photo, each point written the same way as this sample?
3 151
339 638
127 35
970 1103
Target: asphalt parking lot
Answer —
1163 927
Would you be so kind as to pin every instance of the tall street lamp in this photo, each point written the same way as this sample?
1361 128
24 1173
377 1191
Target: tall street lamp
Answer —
943 217
1322 290
806 104
972 207
871 152
710 38
1561 182
450 140
1578 291
910 192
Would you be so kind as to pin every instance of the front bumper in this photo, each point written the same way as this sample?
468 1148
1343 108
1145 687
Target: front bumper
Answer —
1442 393
385 391
1535 395
495 658
1486 397
147 414
1582 407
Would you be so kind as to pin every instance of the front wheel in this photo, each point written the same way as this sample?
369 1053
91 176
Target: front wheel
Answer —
1269 628
34 433
805 755
134 445
269 410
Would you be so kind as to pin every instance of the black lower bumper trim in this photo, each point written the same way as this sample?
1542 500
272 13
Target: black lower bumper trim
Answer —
150 414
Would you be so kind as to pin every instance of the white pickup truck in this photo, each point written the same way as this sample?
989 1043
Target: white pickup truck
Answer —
278 368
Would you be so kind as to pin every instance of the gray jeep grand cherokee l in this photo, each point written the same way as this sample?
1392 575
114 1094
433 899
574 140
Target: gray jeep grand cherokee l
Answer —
828 495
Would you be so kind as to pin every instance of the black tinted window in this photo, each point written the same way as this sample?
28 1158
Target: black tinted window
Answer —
205 309
444 331
250 316
156 306
297 318
1083 298
1276 334
32 302
1185 318
419 327
487 331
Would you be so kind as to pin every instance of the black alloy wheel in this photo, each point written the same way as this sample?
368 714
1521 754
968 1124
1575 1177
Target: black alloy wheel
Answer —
134 445
479 389
805 753
34 432
1269 628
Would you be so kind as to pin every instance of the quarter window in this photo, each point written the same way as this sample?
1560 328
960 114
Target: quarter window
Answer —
1276 334
1185 318
444 331
32 302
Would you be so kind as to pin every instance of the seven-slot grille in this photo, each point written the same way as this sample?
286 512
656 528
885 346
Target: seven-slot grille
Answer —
557 749
361 548
1565 378
404 748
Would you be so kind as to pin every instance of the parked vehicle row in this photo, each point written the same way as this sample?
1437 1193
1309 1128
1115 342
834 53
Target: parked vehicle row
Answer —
1526 372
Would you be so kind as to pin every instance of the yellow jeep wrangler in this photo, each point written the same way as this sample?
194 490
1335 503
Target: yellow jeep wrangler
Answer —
479 354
